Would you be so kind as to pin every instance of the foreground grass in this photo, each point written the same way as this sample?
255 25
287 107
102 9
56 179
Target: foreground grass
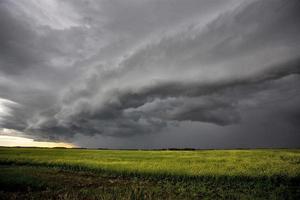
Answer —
110 174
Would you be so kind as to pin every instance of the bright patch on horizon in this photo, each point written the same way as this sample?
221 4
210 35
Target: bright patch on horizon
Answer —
12 141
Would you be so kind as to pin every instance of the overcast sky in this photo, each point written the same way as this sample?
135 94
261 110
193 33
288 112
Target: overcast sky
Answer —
151 73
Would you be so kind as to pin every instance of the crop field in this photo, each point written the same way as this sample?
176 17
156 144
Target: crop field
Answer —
41 173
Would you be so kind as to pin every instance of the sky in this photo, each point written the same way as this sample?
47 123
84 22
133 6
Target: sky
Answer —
151 73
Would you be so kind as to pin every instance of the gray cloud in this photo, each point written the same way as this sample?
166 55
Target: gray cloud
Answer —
125 69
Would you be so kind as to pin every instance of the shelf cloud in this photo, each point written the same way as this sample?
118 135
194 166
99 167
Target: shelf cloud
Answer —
127 71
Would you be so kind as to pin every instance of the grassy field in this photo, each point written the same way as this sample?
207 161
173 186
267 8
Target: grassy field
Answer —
33 173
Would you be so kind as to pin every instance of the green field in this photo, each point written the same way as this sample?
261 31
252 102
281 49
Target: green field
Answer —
36 173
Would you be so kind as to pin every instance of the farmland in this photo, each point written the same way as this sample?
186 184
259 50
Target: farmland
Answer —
41 173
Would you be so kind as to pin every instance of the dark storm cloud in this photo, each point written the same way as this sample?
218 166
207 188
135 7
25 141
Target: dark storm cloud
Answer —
150 109
16 52
132 68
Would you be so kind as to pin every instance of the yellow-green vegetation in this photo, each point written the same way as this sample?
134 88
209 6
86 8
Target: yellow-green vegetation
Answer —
134 174
251 163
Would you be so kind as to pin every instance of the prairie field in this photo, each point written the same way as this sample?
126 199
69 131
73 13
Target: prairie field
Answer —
42 173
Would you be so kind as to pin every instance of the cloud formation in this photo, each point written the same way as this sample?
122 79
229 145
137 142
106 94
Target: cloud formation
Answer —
132 68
